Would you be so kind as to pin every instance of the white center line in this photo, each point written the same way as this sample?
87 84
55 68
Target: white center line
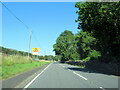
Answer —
35 78
80 75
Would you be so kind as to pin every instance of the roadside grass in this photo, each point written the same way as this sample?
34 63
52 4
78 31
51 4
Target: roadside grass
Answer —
0 59
8 71
13 65
8 60
0 72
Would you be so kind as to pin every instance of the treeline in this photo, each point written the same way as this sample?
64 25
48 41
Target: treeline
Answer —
49 57
8 51
98 37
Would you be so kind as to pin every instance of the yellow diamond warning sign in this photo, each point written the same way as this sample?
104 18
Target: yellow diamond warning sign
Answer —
35 49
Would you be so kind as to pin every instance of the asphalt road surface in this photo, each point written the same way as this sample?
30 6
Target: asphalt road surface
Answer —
58 75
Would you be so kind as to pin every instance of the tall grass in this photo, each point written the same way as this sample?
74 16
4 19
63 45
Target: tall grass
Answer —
13 64
8 60
0 59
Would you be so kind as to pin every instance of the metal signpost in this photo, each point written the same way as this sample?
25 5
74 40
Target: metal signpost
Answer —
35 51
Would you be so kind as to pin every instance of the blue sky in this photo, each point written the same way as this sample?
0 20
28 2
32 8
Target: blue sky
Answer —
46 19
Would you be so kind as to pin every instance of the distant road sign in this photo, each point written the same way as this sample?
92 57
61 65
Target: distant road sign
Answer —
35 49
35 53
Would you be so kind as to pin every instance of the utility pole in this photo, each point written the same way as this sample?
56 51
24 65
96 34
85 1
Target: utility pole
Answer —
29 43
44 52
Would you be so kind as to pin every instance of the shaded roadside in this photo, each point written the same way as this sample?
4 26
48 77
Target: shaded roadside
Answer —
97 67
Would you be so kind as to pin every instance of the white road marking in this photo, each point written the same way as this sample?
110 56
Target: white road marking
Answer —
102 88
35 77
60 64
63 66
80 75
69 70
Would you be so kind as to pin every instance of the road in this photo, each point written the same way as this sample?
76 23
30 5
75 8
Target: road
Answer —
58 75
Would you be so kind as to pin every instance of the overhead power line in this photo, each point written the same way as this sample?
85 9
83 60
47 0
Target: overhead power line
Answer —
20 21
31 32
35 38
15 16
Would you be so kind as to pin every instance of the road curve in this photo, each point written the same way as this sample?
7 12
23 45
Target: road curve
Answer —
58 75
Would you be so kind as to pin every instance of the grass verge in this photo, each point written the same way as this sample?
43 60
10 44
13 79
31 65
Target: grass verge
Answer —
13 65
8 71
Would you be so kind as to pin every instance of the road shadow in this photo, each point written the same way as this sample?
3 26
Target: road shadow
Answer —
95 66
89 71
80 69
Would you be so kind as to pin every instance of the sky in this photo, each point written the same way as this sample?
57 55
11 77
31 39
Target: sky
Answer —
46 19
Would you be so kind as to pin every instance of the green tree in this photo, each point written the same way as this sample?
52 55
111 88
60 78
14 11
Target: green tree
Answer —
41 57
1 49
57 57
86 45
102 20
65 46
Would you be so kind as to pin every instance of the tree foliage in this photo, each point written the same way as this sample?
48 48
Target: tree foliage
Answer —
102 20
86 45
65 46
13 52
8 51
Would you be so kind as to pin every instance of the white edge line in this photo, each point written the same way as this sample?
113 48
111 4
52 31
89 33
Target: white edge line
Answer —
80 75
61 65
36 77
102 88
